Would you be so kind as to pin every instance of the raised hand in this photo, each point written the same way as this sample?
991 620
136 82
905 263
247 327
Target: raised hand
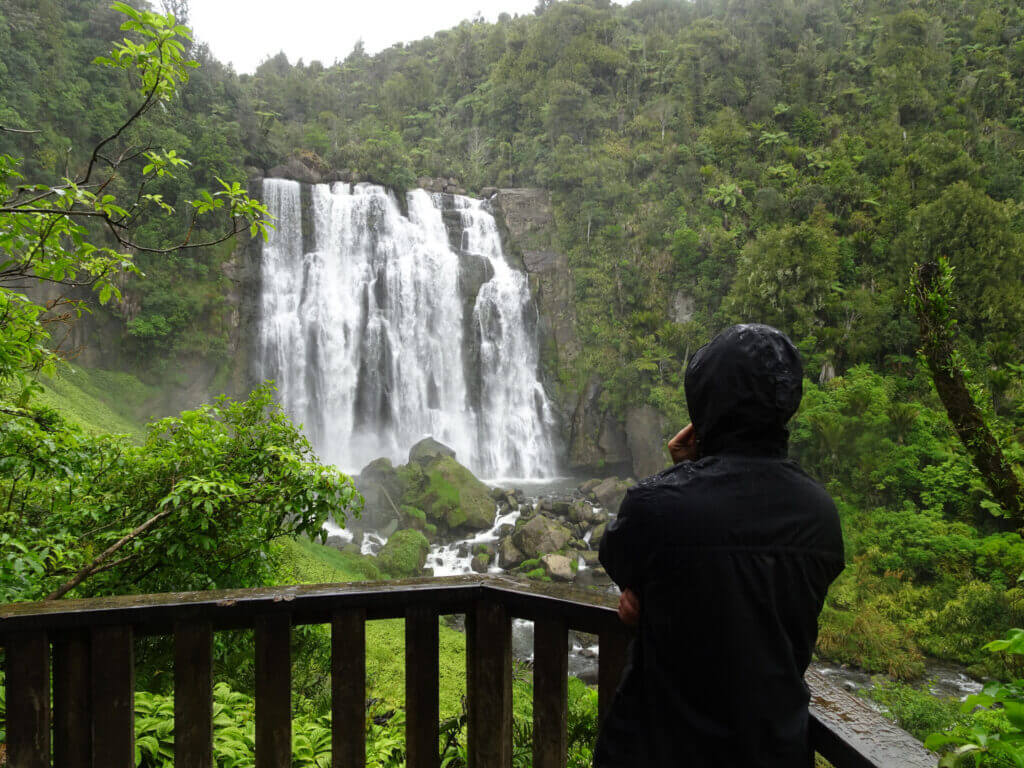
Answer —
683 447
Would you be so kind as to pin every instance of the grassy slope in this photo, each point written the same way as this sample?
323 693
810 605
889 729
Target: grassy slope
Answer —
305 562
99 401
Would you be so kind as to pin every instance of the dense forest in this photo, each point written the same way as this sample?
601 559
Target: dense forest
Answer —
787 162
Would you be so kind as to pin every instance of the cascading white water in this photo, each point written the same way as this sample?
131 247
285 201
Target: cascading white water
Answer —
364 331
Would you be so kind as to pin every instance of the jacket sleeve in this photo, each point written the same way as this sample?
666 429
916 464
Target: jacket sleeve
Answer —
620 550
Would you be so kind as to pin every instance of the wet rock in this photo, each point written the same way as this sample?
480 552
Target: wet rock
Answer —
294 168
587 489
427 450
505 530
558 567
389 529
448 493
484 549
577 544
463 550
509 555
405 553
539 536
497 494
591 557
545 505
611 492
561 508
479 563
596 438
645 428
599 577
597 535
581 512
511 501
382 487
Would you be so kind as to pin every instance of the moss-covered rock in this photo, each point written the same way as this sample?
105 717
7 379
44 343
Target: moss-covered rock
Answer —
448 494
405 553
540 536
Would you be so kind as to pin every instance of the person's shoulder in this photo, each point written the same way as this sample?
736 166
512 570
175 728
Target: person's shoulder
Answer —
675 477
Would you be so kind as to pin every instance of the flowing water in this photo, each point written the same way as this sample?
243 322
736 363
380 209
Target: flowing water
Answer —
381 328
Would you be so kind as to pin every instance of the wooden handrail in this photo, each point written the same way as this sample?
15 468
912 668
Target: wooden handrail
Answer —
93 672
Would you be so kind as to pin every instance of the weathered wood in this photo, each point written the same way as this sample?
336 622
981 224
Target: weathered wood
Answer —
550 693
613 649
848 733
72 697
489 685
348 689
28 700
193 695
112 669
421 687
273 691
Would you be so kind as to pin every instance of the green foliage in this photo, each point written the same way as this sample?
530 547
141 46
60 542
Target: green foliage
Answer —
194 507
995 741
915 710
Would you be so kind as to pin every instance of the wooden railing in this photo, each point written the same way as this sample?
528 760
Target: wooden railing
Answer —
91 646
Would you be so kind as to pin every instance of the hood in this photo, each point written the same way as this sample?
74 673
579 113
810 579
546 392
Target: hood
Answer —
741 389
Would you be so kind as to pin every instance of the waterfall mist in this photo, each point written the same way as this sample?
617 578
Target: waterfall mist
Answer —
382 328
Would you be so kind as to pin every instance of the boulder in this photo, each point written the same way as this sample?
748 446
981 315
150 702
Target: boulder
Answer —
561 508
427 450
558 567
611 492
405 553
479 563
587 489
591 557
645 429
597 535
509 555
381 486
581 512
539 536
448 493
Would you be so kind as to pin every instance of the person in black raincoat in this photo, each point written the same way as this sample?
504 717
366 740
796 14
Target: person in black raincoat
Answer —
724 561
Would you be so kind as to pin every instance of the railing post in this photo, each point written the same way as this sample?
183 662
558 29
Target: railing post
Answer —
28 700
348 689
72 702
273 691
489 685
550 693
113 697
193 695
613 645
421 687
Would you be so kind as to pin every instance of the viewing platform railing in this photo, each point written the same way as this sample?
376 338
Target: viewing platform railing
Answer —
87 647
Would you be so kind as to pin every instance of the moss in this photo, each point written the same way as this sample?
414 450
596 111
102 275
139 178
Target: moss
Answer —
99 401
529 565
405 553
447 493
538 574
307 562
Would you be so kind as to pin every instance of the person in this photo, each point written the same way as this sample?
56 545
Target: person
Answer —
723 562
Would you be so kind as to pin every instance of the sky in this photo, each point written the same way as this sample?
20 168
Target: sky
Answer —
245 32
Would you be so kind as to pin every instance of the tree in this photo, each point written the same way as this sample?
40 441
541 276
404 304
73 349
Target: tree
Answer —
49 231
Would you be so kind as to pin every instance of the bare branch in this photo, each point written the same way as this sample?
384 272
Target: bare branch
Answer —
5 129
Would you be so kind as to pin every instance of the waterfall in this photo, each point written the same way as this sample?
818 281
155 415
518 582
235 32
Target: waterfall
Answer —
382 328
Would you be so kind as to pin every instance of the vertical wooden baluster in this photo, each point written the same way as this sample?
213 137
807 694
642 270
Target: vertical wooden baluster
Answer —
612 654
72 702
550 693
421 687
28 700
348 689
273 692
113 697
489 685
193 695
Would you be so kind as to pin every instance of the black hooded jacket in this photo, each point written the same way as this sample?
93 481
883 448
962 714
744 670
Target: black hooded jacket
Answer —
730 556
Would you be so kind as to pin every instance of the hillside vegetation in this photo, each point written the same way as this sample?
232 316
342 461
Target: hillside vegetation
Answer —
715 162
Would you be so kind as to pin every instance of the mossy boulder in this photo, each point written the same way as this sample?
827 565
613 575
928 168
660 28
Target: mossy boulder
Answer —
509 555
381 486
539 536
557 567
448 494
427 450
405 553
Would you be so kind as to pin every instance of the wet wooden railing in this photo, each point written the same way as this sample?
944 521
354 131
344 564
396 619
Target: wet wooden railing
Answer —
86 648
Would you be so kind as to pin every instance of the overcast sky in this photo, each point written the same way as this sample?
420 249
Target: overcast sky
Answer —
244 32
